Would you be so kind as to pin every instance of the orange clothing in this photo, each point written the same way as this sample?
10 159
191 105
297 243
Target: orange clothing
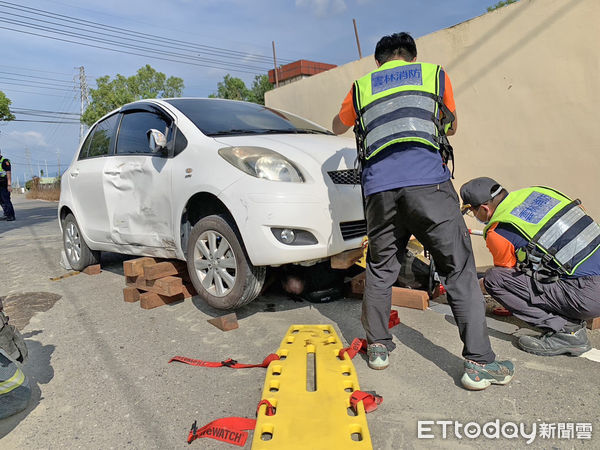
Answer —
502 250
348 114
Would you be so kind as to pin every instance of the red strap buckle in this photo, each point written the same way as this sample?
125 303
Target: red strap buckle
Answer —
357 345
370 400
270 411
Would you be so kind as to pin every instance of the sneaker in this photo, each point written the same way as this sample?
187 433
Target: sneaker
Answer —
557 343
378 356
10 219
479 376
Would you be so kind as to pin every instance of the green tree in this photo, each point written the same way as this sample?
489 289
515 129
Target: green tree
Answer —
231 88
260 85
5 113
501 4
112 94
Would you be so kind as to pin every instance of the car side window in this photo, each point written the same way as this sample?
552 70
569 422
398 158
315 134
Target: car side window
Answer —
103 137
86 144
133 133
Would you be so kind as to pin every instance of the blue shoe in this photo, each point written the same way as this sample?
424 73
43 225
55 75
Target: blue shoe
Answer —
378 356
479 376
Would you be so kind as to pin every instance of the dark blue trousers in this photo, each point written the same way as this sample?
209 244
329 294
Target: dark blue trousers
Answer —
7 206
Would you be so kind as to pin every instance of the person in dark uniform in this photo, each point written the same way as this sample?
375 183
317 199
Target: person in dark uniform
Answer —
402 112
6 189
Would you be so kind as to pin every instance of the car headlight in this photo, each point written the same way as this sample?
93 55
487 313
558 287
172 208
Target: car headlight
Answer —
262 163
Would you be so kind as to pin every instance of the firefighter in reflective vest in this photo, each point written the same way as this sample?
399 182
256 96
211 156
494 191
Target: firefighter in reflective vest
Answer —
546 261
402 112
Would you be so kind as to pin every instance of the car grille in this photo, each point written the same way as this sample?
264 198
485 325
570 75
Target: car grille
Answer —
354 229
348 176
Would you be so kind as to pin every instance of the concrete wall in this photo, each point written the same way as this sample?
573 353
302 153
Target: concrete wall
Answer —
526 83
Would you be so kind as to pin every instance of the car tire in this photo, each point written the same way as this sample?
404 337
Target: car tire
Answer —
218 265
79 255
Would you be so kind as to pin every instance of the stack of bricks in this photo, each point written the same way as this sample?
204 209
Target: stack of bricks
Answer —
155 283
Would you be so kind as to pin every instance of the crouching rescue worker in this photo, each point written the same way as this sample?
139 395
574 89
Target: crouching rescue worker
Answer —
401 113
546 258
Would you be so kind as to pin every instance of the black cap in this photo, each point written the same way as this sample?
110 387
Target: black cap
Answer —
478 191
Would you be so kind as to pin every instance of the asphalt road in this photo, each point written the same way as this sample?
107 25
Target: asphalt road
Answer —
100 377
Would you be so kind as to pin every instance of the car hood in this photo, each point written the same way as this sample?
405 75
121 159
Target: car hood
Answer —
329 152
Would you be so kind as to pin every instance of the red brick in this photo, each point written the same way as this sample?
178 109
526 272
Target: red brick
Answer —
92 270
149 300
135 267
131 294
594 324
164 269
410 298
226 323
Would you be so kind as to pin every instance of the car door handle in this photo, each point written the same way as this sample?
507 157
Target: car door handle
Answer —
74 174
112 172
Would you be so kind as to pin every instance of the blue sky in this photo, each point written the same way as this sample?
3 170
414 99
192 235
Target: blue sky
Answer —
38 73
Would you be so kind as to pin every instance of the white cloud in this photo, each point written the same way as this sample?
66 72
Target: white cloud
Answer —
323 8
26 138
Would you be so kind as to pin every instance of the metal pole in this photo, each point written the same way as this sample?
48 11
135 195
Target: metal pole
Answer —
275 65
46 172
357 41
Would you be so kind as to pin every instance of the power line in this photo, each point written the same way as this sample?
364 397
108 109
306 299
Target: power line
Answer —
46 121
33 85
25 110
218 51
30 92
119 43
39 78
35 82
123 51
99 37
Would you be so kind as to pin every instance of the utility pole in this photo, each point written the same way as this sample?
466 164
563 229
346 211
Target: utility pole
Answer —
275 65
28 156
357 41
58 159
83 95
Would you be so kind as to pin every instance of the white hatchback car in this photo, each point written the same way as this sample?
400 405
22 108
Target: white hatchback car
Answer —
231 187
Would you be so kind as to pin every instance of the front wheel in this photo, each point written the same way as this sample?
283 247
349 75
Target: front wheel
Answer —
218 266
78 253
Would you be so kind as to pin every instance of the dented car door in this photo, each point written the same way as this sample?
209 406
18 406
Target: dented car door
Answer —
138 190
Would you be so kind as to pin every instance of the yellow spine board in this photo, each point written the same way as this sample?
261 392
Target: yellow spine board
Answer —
310 388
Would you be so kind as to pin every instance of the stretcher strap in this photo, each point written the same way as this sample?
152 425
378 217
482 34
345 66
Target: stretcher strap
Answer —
233 430
227 363
370 400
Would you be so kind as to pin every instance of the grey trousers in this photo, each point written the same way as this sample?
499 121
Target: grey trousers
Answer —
430 213
548 306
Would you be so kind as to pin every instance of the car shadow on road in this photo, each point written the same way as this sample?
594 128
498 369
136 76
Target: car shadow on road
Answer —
38 369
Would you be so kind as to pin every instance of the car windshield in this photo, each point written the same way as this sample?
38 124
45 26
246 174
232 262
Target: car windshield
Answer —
218 117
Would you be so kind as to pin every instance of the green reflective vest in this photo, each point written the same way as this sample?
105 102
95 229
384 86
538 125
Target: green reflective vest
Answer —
398 102
2 171
561 235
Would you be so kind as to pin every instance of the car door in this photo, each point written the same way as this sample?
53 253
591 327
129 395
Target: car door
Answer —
86 178
138 188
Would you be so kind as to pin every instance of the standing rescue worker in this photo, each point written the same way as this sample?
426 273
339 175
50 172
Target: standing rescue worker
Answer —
402 112
6 189
546 258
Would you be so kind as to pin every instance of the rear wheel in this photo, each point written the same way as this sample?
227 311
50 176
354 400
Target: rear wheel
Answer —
218 266
78 253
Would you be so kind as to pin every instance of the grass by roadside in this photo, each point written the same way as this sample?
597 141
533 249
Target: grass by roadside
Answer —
52 194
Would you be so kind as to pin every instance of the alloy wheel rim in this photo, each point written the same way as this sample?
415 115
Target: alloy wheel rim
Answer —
215 263
72 243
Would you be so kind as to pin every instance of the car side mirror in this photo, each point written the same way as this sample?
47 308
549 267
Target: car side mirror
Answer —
157 141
